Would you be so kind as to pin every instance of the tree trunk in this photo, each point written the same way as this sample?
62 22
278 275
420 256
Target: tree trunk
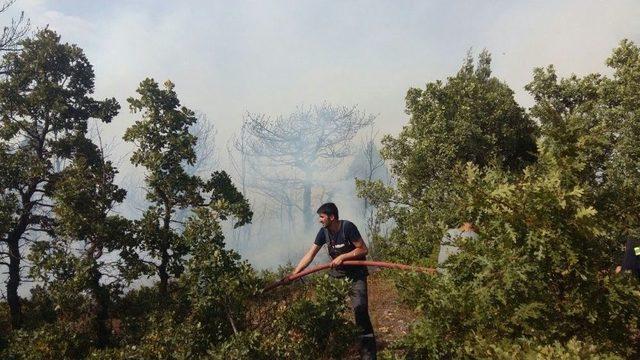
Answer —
101 297
307 213
14 281
164 275
14 236
164 260
13 243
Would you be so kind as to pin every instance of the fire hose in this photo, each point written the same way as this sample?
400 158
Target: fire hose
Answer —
289 278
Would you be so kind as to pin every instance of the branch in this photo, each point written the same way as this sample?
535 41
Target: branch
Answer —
233 325
12 33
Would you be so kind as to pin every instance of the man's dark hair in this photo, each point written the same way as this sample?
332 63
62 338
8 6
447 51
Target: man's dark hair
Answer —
328 209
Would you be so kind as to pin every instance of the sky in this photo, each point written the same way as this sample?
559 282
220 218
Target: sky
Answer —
228 58
232 57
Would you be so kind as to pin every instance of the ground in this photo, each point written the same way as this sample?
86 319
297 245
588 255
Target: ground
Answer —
390 318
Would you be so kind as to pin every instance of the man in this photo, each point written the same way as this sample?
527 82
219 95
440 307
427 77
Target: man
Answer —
344 242
631 260
448 245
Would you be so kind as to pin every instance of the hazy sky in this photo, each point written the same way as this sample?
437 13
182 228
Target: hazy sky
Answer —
230 57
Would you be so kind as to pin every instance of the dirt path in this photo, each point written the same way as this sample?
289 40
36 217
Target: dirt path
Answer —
390 318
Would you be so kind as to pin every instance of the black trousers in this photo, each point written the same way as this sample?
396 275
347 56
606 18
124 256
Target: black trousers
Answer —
360 305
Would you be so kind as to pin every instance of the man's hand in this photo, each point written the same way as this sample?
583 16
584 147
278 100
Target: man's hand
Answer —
337 261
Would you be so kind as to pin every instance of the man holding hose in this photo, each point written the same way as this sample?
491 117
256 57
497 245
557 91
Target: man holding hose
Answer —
344 242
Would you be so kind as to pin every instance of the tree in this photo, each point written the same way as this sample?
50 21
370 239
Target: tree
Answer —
472 117
368 165
45 104
219 283
89 243
539 278
289 155
163 144
594 122
213 291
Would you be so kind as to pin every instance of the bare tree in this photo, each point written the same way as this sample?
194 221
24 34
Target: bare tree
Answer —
238 142
13 32
369 165
287 155
205 130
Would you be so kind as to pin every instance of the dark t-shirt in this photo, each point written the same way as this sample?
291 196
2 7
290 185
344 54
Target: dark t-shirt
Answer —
631 259
351 234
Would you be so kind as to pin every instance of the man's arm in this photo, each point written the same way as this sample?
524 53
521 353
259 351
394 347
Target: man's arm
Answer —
358 253
307 258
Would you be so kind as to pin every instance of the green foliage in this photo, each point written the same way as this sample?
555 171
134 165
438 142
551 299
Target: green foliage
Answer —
163 146
218 284
524 350
472 117
247 345
84 195
312 327
536 273
297 327
163 143
45 106
133 312
591 125
553 191
280 325
538 282
55 180
60 340
214 290
228 199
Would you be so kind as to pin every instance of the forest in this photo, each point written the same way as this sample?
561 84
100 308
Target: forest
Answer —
553 189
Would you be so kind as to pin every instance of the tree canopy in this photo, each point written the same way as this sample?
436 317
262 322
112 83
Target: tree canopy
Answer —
45 100
539 278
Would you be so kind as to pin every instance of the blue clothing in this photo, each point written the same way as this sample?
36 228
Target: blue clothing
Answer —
631 260
340 243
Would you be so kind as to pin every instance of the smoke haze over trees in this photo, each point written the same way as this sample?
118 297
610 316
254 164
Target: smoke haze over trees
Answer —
290 164
289 156
170 262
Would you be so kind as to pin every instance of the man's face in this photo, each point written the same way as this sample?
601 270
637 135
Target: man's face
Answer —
325 220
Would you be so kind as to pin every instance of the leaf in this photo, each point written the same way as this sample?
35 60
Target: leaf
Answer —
585 212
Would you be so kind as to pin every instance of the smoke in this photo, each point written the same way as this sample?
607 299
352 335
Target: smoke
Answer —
288 165
277 236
